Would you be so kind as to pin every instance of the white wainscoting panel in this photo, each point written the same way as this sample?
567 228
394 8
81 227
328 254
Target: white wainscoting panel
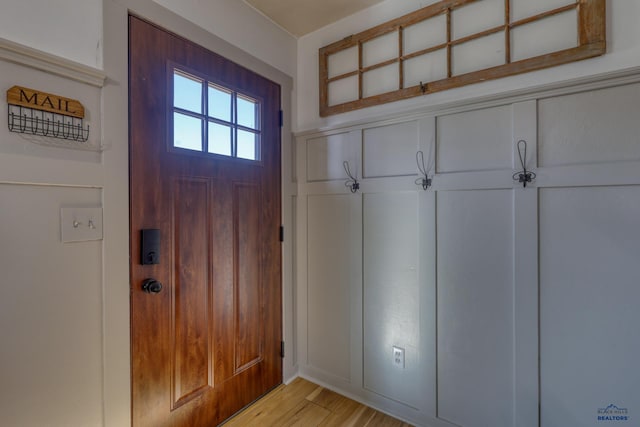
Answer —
475 140
392 295
50 311
591 127
476 308
326 154
516 307
589 299
390 150
329 282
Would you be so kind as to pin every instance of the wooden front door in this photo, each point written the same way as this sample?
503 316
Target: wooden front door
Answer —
205 173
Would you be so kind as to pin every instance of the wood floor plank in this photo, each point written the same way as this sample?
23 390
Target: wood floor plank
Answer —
306 414
352 415
305 404
383 420
328 399
275 404
315 393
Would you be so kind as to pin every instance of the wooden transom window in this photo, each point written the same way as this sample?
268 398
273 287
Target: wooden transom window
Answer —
213 119
454 43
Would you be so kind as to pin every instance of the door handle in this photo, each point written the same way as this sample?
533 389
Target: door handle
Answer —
151 286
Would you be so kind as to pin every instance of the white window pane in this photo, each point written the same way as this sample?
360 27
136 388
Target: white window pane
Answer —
547 35
219 103
187 93
187 132
219 139
478 54
343 90
428 33
425 68
521 9
247 112
477 17
380 80
247 145
380 49
343 62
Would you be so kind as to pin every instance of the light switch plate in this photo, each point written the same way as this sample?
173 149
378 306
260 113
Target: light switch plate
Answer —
81 224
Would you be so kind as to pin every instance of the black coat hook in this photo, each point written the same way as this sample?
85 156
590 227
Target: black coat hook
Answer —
424 181
523 176
352 183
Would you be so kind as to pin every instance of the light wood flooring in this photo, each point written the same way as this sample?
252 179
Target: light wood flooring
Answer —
302 403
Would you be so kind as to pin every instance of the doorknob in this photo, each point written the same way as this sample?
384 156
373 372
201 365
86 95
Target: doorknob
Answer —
151 286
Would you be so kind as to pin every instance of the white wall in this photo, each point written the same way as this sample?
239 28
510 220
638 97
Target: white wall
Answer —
65 306
50 309
71 29
240 25
50 291
623 51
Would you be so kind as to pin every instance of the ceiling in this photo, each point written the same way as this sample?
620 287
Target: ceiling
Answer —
300 17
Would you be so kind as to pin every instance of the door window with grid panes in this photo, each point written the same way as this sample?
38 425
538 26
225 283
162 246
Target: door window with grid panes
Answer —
214 119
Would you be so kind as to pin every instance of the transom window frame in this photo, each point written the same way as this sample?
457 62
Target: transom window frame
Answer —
207 81
591 43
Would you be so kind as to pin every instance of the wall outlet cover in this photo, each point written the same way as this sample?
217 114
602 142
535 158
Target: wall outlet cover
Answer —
398 357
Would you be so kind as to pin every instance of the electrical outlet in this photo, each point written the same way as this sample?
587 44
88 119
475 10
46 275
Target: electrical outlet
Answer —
398 357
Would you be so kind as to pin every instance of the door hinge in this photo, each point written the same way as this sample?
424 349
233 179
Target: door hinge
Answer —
281 233
281 118
282 349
